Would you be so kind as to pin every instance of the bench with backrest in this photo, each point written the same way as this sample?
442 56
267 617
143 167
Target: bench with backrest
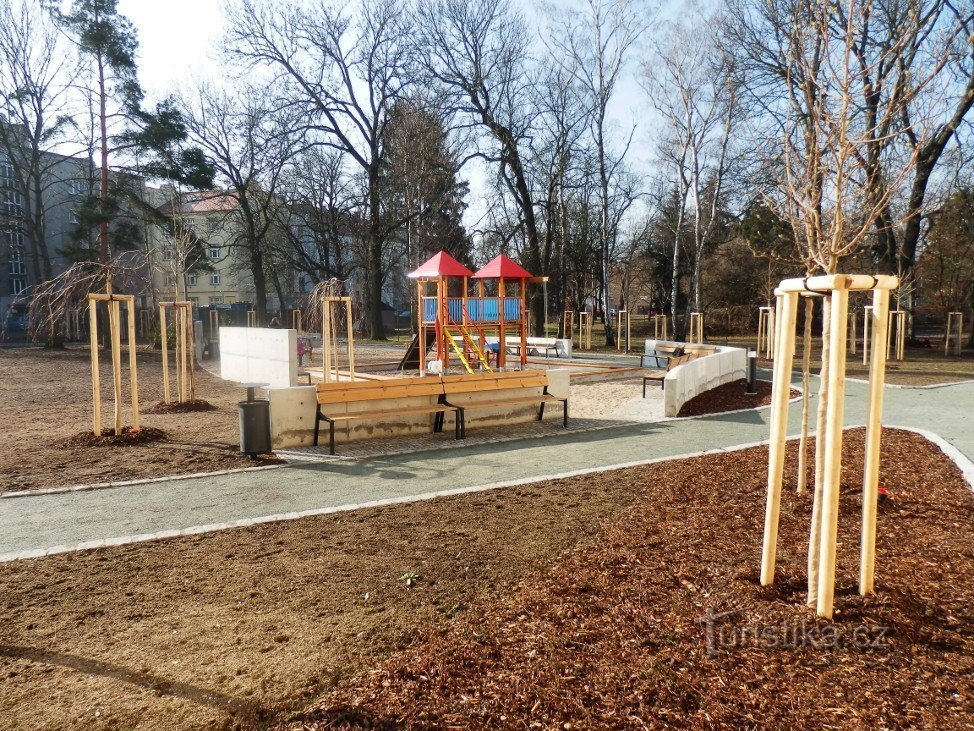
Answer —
332 397
665 362
456 387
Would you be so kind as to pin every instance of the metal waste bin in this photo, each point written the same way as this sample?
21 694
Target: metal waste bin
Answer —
255 423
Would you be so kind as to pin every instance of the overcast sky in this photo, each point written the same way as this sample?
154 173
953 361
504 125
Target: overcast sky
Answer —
178 40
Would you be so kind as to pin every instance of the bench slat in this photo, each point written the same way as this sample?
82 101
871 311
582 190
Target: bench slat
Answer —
434 409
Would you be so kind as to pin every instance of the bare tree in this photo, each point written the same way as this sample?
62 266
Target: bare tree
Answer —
477 53
598 41
250 147
36 76
343 70
693 88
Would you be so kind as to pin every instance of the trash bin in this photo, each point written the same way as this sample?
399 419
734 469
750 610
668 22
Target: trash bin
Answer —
255 424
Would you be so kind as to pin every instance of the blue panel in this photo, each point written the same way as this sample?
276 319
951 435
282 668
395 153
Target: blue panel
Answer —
455 305
512 308
490 311
473 310
429 310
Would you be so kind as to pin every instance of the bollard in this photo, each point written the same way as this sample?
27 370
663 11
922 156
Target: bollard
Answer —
752 373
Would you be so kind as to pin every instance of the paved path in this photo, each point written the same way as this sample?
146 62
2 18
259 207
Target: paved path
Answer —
35 524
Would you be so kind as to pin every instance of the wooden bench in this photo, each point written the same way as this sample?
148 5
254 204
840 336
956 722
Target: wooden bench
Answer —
455 387
677 357
337 394
662 353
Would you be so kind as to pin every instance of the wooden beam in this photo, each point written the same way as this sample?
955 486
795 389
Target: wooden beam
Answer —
874 428
95 375
133 368
832 475
787 314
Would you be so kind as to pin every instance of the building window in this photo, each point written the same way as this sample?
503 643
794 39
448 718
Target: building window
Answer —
191 280
215 278
76 187
216 300
195 301
17 285
6 171
214 252
73 217
15 238
12 204
16 265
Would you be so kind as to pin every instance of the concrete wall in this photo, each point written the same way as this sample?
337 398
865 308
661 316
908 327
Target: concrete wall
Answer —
699 375
259 355
293 415
562 345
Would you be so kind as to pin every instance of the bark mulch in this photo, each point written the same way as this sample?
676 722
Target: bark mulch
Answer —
729 397
181 407
614 633
108 437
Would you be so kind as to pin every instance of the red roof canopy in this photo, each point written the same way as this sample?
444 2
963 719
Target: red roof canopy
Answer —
503 266
441 265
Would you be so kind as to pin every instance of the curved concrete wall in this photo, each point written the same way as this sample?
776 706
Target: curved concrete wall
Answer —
706 371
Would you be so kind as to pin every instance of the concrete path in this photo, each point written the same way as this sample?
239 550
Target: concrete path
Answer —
39 524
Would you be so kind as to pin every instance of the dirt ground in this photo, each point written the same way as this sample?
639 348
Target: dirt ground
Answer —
45 400
246 626
569 602
615 634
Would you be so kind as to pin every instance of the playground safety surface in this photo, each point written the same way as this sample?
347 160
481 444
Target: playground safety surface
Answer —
563 602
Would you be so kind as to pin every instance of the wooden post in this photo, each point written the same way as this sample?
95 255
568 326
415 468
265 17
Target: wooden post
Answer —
696 328
806 369
351 338
133 370
780 392
214 324
895 350
874 428
421 328
95 375
853 316
568 327
183 331
191 347
832 474
326 340
296 320
164 332
251 318
619 320
114 320
954 331
867 317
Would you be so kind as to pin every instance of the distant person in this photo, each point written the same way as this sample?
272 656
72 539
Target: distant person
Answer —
275 322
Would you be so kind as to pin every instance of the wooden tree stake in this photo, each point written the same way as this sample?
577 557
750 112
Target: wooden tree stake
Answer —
832 475
780 391
95 375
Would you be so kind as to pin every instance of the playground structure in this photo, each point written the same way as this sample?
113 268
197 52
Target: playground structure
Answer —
696 328
584 330
623 315
461 323
897 324
765 344
954 331
185 350
828 460
661 329
330 327
113 303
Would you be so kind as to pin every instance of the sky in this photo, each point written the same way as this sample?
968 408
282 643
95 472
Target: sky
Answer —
179 39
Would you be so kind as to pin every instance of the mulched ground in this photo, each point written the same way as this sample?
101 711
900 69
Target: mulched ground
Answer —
181 407
729 397
109 438
567 602
45 409
610 635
